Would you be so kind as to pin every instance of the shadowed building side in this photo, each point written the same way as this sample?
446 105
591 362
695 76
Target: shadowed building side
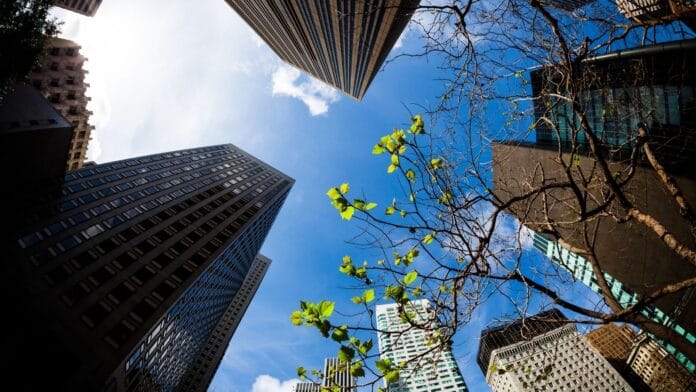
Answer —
342 43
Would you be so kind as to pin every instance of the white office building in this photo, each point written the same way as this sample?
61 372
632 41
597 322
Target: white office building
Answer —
543 353
435 371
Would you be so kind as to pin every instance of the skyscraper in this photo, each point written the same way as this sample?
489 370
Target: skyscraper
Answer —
342 43
399 341
654 85
544 352
61 79
84 7
126 275
336 375
204 367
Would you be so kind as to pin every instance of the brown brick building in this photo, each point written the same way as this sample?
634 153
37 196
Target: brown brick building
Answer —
342 43
61 79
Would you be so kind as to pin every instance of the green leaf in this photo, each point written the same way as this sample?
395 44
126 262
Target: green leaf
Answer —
391 169
411 175
359 204
340 334
369 295
429 238
346 354
357 300
365 347
370 206
344 188
436 163
402 149
384 365
402 213
390 210
301 372
333 193
395 160
378 149
296 317
326 308
392 376
347 213
410 277
356 370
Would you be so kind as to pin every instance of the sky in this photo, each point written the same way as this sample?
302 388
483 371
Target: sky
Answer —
175 74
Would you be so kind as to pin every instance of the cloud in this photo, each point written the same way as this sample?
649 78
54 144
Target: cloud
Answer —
315 94
266 383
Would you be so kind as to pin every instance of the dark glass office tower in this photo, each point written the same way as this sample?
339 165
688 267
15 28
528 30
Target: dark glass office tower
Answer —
117 284
208 360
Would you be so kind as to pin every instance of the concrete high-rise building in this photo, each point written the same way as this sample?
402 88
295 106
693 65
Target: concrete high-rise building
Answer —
399 341
659 370
84 7
125 276
342 43
206 364
61 79
336 374
655 85
544 352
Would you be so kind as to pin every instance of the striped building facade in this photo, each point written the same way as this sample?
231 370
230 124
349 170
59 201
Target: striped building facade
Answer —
340 42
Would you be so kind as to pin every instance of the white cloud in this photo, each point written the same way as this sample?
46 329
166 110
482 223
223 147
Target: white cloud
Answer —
266 383
315 94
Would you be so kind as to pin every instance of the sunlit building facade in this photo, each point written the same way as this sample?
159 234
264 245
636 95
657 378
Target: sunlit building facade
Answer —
126 276
61 79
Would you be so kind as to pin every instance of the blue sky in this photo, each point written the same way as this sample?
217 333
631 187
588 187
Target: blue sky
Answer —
176 74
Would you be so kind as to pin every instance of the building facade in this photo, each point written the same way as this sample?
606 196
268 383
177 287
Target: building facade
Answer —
544 353
207 362
658 369
336 375
613 342
84 7
342 43
127 274
61 79
428 370
36 141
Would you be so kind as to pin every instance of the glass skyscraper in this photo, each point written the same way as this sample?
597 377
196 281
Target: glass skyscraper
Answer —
126 275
